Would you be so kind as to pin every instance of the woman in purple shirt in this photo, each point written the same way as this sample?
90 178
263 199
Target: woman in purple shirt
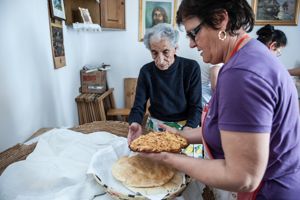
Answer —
251 130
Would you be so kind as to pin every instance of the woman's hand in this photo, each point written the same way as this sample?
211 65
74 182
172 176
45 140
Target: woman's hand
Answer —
135 130
161 157
193 135
187 128
168 128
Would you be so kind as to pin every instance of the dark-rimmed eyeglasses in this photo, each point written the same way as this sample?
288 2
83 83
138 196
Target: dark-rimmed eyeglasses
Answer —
278 52
192 34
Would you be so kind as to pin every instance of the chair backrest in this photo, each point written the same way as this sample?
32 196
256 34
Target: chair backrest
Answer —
129 91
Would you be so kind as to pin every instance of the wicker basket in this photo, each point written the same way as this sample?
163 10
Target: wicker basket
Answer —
120 196
116 127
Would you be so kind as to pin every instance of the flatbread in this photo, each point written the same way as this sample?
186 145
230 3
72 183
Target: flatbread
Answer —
159 142
170 187
138 171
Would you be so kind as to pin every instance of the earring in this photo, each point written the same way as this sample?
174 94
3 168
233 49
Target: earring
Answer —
220 35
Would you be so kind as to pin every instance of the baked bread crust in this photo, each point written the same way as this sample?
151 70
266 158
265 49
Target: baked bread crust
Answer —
155 142
141 172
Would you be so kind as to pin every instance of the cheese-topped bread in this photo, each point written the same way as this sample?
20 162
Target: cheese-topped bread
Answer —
138 171
159 142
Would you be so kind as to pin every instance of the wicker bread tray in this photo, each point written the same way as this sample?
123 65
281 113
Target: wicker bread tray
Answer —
14 154
115 194
116 127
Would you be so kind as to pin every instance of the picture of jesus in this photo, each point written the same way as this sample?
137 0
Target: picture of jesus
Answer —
159 15
158 12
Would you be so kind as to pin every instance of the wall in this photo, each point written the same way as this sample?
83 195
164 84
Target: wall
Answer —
34 95
126 55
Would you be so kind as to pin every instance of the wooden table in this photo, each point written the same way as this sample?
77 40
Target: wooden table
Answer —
21 151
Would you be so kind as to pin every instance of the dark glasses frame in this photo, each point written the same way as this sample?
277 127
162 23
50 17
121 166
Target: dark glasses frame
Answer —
192 34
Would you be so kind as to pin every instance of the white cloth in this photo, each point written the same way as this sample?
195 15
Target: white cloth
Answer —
56 169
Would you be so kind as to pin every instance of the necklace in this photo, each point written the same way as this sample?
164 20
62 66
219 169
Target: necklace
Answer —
237 46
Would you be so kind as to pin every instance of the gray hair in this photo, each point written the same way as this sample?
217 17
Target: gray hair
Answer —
159 32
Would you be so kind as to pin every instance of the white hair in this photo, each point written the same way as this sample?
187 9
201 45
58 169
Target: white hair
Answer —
159 32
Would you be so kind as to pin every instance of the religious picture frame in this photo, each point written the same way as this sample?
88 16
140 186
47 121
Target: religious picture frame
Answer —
152 12
276 12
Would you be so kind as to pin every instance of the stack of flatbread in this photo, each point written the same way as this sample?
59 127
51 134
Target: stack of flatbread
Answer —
159 142
144 175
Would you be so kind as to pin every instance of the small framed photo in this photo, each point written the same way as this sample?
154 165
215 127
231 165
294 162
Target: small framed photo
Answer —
152 12
276 12
58 9
85 15
57 40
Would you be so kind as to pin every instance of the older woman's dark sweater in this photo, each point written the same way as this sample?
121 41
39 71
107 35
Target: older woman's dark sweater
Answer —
175 93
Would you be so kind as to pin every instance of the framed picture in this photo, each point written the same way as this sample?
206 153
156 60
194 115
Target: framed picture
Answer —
85 15
276 12
57 40
153 12
58 9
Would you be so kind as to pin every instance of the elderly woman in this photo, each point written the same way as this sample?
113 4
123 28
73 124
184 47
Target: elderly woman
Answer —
171 83
251 132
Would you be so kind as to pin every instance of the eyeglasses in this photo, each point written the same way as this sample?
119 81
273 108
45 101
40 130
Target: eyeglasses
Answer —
278 52
192 34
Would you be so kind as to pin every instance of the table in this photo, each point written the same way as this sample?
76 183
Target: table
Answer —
21 151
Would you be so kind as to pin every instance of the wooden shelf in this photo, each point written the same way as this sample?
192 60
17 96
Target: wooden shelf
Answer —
73 14
108 14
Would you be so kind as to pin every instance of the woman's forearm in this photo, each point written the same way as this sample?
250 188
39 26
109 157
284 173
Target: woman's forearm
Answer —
294 72
193 136
211 172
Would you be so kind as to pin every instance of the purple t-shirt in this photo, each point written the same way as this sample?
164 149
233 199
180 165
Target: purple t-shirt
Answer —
256 94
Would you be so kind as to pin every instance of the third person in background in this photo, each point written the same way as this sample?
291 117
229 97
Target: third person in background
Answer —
273 38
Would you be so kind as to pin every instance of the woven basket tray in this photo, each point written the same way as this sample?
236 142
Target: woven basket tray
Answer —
119 196
14 154
115 127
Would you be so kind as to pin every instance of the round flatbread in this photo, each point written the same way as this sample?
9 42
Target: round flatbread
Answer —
159 142
141 172
170 187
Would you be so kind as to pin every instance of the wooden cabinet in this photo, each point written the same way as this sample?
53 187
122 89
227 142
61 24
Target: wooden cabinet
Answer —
107 13
113 14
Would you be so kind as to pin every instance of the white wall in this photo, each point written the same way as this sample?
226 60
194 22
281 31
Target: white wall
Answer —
34 95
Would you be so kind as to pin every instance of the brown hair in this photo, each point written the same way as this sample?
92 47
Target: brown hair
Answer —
210 12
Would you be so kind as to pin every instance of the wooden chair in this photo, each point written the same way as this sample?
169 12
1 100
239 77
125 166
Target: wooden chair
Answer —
129 96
